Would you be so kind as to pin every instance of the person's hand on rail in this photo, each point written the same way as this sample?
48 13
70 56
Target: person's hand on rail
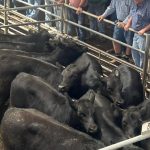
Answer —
100 18
79 10
120 24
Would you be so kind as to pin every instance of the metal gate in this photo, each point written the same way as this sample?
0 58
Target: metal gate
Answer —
97 53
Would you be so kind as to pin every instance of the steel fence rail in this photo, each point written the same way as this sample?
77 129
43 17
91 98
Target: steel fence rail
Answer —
94 16
127 142
109 55
27 7
41 9
64 21
28 23
103 35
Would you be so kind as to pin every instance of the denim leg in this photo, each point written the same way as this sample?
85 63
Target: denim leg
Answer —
57 11
135 54
141 42
80 31
96 9
48 17
14 3
92 21
33 13
72 16
99 11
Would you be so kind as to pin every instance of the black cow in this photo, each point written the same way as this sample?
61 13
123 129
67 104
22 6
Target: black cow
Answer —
42 36
78 113
45 56
124 87
11 65
83 74
59 51
38 42
29 129
133 118
106 121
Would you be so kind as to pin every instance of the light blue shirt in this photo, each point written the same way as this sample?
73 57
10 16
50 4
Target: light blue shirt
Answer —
140 15
122 8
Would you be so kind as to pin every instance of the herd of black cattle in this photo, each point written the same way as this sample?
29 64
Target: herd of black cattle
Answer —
55 96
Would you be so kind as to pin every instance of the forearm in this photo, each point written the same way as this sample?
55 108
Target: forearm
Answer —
147 28
129 22
108 11
82 3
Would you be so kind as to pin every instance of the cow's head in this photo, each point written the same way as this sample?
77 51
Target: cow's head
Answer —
91 78
114 87
84 109
131 121
70 76
85 75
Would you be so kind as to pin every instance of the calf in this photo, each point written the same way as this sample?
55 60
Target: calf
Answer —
78 114
37 42
29 129
45 56
11 65
65 51
133 118
124 87
83 74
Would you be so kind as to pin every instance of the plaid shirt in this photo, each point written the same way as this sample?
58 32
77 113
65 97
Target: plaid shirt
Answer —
122 8
140 15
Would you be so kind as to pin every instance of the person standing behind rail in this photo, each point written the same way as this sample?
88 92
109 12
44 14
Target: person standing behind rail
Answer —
49 17
96 7
139 20
76 16
33 13
122 8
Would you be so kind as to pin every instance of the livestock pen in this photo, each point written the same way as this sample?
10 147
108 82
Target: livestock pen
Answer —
24 24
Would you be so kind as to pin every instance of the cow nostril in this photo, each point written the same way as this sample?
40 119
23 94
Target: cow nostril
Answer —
120 102
93 128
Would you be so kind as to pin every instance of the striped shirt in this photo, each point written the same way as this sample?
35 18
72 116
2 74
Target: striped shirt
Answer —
140 15
122 8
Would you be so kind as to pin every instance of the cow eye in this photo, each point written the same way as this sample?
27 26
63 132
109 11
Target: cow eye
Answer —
109 89
82 115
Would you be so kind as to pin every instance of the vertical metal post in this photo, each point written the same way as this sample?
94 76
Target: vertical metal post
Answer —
5 17
62 18
146 58
38 27
65 17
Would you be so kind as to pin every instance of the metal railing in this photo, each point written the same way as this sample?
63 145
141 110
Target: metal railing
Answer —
64 22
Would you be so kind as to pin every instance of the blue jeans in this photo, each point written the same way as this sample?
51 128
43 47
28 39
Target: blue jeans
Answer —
139 43
53 10
123 36
96 9
48 17
33 13
72 16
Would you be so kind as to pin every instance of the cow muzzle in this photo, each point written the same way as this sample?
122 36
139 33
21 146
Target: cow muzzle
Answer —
62 88
93 128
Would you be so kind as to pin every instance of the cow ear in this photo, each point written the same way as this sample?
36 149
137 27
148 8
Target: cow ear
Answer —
35 127
117 73
73 103
92 96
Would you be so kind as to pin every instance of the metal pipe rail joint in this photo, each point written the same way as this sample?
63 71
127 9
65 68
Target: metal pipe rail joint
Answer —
145 134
